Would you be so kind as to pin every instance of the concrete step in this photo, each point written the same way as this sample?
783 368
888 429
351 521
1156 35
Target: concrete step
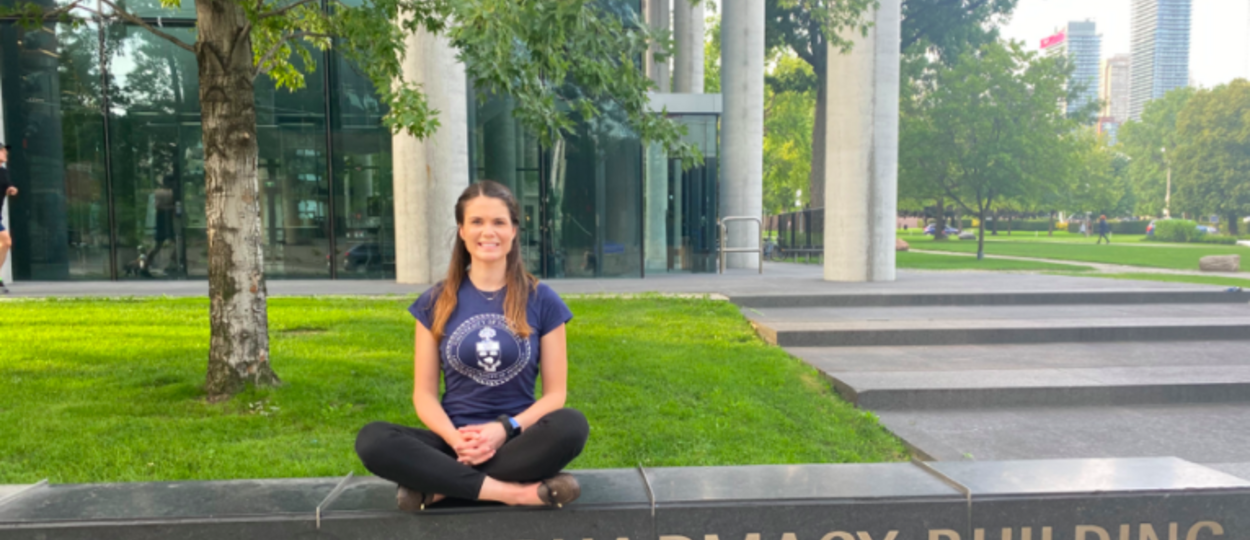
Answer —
965 332
1240 469
1202 433
1017 298
928 390
1026 356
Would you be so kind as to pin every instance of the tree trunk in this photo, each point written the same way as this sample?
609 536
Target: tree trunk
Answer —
238 351
816 178
1232 225
939 226
981 236
994 228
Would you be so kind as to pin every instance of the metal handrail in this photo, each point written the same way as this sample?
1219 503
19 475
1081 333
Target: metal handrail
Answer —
724 233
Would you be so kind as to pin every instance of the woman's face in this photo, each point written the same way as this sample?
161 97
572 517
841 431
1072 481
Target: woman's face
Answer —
487 230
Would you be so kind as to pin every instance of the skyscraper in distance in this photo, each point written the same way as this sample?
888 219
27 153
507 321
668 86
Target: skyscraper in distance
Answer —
1114 91
1080 42
1160 50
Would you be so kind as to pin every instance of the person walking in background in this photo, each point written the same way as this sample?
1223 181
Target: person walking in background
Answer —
1104 229
6 190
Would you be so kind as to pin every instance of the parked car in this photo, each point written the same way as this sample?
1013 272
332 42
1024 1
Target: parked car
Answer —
950 231
366 257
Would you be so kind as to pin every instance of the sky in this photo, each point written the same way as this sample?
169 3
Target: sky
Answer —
1219 32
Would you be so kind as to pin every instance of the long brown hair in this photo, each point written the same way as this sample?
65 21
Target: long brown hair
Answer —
517 279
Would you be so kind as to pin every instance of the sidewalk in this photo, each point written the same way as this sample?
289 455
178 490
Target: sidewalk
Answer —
781 278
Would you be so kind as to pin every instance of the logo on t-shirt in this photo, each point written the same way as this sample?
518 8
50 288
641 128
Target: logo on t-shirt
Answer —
473 350
487 350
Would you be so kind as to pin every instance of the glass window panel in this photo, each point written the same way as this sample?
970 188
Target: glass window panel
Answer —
52 89
363 196
292 172
157 157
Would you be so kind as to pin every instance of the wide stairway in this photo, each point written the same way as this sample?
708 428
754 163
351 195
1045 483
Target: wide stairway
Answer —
1035 375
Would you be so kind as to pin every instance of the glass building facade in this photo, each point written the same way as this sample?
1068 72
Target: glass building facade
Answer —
104 121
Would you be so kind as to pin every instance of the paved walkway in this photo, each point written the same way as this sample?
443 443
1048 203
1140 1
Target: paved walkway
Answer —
1100 267
782 278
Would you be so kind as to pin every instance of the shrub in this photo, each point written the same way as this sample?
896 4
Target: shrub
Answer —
1177 230
1129 227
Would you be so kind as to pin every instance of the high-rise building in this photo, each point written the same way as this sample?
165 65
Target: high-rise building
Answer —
1080 42
1114 90
1160 45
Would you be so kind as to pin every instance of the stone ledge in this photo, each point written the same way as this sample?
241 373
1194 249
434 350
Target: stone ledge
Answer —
892 501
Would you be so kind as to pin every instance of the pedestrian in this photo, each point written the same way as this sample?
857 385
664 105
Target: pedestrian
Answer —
1104 229
6 190
492 329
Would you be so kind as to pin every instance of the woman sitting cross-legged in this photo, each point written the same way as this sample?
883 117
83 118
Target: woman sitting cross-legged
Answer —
490 327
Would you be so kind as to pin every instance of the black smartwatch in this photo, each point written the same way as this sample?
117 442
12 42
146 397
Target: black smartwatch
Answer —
509 427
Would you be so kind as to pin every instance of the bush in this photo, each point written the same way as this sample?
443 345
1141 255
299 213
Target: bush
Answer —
1024 225
1129 227
1177 230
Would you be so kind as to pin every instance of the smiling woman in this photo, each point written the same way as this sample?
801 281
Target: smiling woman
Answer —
488 328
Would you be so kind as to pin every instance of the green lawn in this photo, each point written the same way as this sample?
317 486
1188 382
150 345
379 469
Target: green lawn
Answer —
929 261
109 390
1177 278
1174 256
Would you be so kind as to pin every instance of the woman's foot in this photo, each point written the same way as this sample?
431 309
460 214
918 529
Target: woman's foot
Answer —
556 491
414 501
559 490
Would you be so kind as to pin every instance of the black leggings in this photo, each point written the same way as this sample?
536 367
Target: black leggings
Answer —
420 460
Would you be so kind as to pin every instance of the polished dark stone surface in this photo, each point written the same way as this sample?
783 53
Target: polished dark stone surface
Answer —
620 487
1054 500
903 519
1086 476
168 500
793 482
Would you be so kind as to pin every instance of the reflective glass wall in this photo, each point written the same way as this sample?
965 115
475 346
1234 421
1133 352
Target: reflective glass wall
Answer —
582 214
105 125
603 207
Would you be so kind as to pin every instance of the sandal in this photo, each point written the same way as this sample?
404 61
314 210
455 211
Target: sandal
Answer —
412 501
559 490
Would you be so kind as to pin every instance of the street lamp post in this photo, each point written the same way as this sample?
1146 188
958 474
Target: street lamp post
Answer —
1167 196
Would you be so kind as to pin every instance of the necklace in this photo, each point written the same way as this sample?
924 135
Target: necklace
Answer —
493 295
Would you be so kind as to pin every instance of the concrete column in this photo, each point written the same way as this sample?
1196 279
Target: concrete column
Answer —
742 126
430 174
861 174
658 16
688 32
447 151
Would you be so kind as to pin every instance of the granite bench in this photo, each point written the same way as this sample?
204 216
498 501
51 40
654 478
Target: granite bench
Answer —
1091 499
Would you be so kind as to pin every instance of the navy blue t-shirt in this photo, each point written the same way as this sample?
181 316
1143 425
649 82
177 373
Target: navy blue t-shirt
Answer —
487 369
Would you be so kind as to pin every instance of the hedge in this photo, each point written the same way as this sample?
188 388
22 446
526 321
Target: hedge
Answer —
1177 230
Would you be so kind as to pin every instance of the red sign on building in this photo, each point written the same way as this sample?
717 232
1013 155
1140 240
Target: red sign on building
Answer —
1051 41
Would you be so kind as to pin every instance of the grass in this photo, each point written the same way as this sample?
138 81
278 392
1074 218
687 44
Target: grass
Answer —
1177 278
109 390
1177 257
929 261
